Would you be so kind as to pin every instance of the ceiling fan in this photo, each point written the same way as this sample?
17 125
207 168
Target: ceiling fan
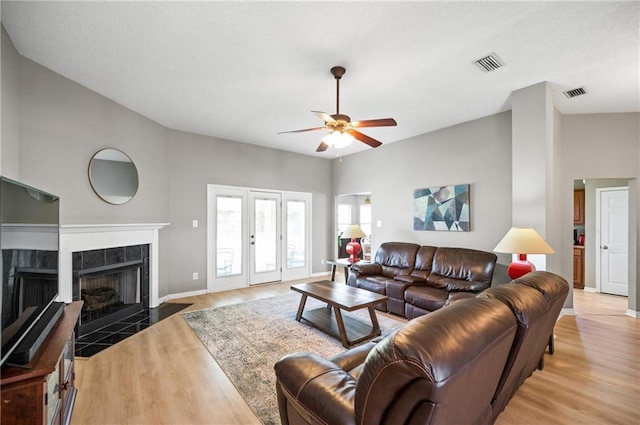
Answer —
341 130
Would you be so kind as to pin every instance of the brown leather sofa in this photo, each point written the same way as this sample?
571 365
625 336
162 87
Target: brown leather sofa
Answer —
420 279
458 365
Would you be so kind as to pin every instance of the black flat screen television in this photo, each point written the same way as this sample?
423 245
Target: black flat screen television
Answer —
29 239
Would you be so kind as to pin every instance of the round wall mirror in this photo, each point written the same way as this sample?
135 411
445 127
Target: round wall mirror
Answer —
113 176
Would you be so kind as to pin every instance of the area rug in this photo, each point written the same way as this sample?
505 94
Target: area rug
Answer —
247 339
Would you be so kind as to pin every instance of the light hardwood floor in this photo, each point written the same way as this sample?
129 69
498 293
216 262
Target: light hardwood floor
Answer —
164 375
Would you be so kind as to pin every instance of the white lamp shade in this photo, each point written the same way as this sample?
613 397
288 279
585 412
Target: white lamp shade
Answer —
523 240
337 139
353 231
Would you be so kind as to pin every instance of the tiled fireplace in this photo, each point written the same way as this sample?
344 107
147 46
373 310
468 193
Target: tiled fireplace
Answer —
113 283
112 268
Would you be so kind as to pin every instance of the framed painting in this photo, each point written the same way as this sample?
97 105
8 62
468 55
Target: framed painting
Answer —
442 208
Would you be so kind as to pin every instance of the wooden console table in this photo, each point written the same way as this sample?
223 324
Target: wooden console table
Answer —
44 391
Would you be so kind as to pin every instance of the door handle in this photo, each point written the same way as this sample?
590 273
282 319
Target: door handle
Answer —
605 247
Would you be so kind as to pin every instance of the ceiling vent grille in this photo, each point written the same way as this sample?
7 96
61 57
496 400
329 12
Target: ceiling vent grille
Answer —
489 63
575 92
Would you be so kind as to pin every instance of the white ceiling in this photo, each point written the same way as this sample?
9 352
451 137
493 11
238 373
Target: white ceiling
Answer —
244 71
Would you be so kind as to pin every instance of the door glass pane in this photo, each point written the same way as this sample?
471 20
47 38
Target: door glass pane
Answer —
295 234
265 237
228 236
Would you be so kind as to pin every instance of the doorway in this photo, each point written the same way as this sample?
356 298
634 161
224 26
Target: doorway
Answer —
612 240
256 236
589 228
353 209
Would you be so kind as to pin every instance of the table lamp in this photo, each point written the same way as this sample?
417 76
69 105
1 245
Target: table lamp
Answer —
522 241
353 231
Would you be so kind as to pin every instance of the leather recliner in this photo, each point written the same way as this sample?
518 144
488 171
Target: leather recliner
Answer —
420 374
433 370
420 279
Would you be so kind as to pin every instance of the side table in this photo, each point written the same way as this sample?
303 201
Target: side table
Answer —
340 262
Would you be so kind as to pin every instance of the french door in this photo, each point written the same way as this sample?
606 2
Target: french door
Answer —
256 236
265 237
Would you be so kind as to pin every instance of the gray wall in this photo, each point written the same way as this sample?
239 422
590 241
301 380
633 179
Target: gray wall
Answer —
476 152
198 160
9 104
60 125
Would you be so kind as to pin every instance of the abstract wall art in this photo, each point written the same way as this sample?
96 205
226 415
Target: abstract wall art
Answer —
442 208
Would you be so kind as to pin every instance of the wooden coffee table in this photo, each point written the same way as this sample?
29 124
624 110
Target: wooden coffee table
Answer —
339 297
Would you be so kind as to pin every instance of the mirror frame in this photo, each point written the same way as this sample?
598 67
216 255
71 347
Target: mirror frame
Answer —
106 198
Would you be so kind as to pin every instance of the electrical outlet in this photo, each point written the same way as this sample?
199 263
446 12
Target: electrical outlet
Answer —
195 276
195 223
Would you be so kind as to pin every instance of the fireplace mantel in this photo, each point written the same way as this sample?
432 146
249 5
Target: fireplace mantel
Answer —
85 237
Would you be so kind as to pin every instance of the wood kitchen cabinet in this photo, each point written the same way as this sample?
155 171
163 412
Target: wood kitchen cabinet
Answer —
578 267
44 392
578 206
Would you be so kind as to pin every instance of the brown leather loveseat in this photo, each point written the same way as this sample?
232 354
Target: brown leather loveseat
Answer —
420 279
458 365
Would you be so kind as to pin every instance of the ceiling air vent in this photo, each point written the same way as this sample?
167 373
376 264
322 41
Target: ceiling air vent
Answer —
575 92
489 63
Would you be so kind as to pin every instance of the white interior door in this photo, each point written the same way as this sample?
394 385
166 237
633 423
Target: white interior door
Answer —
613 244
265 238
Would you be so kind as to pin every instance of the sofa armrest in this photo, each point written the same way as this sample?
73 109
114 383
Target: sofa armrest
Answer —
367 268
349 359
320 387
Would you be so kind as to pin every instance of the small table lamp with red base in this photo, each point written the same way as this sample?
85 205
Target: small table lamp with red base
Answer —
354 232
522 241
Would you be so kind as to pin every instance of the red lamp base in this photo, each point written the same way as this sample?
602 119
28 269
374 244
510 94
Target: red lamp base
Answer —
520 267
353 248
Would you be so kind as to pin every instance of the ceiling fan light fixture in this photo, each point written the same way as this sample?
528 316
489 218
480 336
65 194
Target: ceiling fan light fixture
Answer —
338 139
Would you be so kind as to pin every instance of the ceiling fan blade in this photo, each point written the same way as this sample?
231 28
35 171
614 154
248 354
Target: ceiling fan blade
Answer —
381 122
303 130
324 116
364 138
322 147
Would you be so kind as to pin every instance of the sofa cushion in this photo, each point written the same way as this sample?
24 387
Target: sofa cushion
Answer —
396 258
424 262
462 269
373 283
426 297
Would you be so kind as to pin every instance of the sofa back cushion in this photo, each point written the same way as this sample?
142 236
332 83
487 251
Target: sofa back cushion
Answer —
435 364
462 269
424 262
396 258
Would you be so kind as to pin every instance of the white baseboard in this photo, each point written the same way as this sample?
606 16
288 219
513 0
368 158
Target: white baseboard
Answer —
181 295
633 313
569 311
319 274
589 289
